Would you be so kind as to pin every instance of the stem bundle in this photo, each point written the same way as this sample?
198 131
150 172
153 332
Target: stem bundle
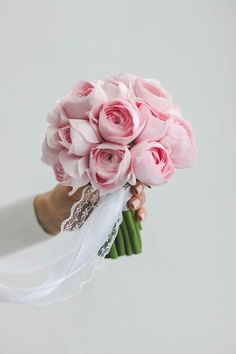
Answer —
128 239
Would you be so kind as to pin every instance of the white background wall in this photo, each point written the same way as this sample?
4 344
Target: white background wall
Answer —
178 297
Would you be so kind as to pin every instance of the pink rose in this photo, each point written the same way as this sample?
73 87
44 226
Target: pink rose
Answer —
82 137
152 93
81 99
179 141
69 170
115 89
118 121
109 167
77 137
151 163
119 86
157 122
49 155
127 78
57 118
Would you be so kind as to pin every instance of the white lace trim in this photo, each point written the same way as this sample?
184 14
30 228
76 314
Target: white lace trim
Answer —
80 212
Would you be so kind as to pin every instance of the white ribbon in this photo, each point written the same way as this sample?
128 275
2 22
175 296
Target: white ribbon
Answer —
64 264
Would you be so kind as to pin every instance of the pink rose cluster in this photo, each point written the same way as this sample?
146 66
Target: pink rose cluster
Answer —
116 131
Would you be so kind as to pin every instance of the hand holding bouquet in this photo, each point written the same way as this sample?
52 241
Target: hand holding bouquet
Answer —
103 138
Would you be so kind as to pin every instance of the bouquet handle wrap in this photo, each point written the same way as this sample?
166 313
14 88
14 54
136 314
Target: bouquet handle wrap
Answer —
68 261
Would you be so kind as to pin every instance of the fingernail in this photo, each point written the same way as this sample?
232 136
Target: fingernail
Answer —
141 217
135 203
138 189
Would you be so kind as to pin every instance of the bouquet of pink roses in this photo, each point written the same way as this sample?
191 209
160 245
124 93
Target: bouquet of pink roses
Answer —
111 133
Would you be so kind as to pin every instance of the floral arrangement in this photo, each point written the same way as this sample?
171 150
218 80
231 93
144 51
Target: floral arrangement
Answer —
114 132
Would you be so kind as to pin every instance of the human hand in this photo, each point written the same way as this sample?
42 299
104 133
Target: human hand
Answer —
53 207
137 201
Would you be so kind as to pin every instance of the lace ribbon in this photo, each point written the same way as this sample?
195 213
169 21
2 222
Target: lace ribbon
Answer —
81 210
68 261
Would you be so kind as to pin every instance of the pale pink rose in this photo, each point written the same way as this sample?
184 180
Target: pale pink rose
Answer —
52 137
77 137
83 96
57 117
118 121
115 89
109 167
152 93
157 122
69 170
80 138
179 141
49 154
151 163
119 86
127 78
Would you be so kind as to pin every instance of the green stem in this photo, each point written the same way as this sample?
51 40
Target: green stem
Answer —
113 251
137 226
128 239
134 213
133 235
125 233
120 243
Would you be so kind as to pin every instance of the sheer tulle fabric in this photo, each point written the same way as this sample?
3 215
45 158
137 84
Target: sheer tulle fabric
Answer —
62 265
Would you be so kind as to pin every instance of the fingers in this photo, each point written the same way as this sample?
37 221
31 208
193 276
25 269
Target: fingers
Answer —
137 189
141 214
137 201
